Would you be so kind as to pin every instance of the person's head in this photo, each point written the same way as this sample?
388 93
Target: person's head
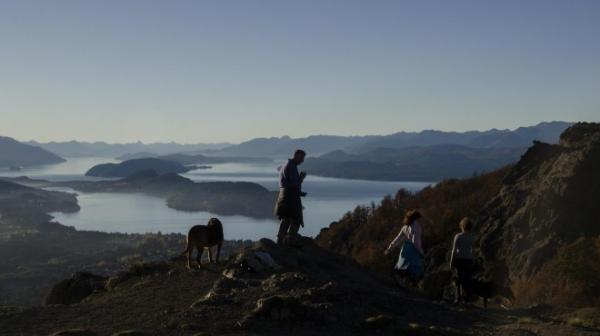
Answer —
299 156
466 224
411 216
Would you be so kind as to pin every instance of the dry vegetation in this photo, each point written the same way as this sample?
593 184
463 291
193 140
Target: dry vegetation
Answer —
573 275
365 232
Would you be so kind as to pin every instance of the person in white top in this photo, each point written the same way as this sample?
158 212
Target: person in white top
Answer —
411 232
461 257
410 260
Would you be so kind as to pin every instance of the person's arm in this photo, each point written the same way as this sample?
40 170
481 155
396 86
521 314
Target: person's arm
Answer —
399 239
453 251
282 179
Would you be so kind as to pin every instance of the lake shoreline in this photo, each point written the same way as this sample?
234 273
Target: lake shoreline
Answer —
327 201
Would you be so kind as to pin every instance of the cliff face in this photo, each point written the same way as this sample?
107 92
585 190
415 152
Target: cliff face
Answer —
547 208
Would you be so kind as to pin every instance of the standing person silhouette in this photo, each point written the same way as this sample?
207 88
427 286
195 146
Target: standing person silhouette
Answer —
461 258
289 205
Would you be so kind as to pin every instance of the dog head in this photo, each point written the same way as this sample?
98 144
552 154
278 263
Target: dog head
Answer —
215 226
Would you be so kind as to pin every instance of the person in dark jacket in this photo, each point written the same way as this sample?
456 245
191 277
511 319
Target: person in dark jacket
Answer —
289 205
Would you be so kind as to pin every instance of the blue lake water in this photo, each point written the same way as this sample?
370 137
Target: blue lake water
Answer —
328 200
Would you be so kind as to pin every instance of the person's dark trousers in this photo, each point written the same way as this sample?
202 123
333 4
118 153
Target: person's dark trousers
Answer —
287 227
464 270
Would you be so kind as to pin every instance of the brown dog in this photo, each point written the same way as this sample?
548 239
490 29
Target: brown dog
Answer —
204 236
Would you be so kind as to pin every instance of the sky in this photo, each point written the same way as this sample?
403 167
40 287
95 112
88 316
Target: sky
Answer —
213 71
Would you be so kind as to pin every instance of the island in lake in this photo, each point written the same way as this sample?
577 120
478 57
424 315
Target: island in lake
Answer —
129 167
222 198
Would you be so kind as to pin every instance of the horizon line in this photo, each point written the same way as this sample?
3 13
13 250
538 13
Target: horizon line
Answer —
285 136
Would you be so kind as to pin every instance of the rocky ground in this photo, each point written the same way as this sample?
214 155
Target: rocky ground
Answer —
271 290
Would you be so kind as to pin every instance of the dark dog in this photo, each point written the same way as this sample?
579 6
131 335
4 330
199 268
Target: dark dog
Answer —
486 290
204 236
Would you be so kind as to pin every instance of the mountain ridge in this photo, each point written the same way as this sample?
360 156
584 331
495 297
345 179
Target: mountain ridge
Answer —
282 147
17 154
316 145
415 163
75 148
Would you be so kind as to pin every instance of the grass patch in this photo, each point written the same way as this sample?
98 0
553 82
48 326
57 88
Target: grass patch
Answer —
585 317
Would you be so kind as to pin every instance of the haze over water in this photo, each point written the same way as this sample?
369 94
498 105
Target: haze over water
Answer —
328 199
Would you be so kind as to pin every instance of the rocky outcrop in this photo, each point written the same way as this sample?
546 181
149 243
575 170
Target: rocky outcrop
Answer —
548 201
75 289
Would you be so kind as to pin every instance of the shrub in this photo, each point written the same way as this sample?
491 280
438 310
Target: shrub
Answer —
572 277
366 232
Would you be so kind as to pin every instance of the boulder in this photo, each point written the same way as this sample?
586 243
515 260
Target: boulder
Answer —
288 310
437 283
284 281
75 289
280 308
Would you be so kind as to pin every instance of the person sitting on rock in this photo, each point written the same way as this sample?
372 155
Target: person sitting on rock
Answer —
410 259
461 257
289 205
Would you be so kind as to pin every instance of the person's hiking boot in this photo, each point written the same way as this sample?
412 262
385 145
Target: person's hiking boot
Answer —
400 282
293 240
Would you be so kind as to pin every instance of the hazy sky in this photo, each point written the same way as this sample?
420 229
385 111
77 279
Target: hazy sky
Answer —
207 71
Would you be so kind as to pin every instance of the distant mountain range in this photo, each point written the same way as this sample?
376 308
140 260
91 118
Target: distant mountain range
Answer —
315 145
405 156
15 154
103 149
321 144
428 163
420 156
188 159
